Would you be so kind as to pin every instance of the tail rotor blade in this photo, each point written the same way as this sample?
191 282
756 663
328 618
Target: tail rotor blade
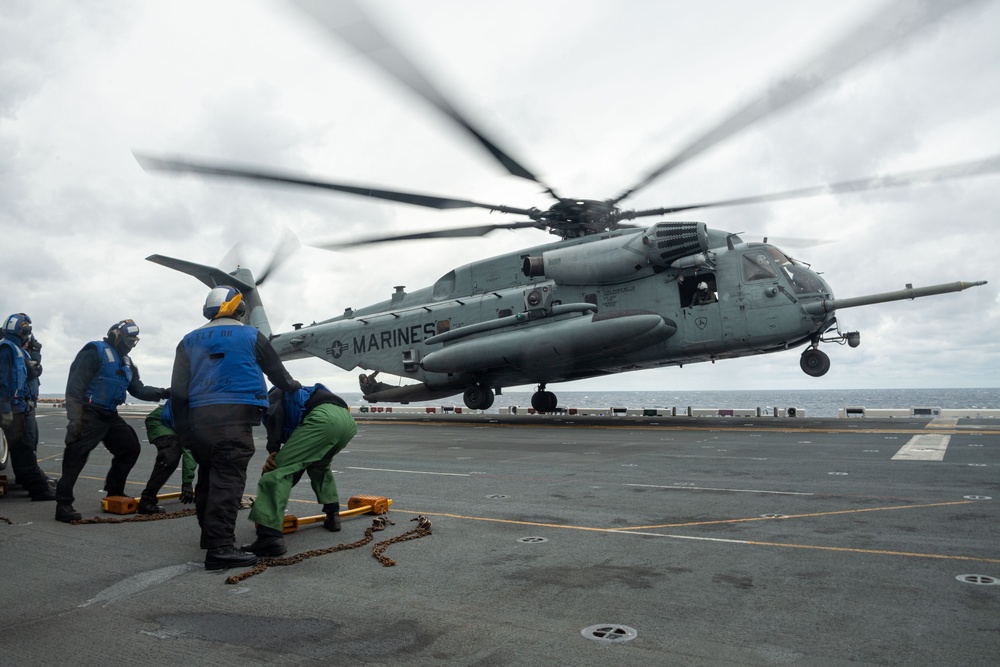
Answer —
289 244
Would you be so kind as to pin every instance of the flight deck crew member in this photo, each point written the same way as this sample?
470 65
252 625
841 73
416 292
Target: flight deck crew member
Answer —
169 452
98 380
218 395
14 365
315 424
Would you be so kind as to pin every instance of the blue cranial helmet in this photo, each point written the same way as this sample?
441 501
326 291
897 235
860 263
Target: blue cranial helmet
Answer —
124 335
222 301
17 324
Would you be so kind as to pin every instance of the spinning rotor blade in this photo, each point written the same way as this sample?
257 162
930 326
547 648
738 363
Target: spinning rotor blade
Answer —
346 21
460 232
894 23
963 170
150 163
289 244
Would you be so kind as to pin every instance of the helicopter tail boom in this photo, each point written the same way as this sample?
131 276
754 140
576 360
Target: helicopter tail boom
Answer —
241 279
910 292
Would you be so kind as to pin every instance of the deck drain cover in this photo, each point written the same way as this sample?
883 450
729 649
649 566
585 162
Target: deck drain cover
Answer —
533 539
978 579
609 634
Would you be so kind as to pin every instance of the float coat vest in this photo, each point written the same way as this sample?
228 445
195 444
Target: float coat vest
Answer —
107 389
224 368
160 422
20 379
295 409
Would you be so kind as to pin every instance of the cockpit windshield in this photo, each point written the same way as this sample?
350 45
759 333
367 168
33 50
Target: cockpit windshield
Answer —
803 280
759 263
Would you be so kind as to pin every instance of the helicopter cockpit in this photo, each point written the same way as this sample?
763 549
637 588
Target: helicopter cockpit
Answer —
765 262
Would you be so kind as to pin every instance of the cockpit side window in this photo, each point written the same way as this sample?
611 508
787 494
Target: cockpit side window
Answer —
756 266
698 290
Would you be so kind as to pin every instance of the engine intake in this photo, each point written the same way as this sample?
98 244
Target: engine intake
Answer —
667 242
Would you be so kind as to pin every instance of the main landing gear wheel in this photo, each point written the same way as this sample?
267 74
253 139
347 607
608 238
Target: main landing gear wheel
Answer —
814 362
544 401
478 397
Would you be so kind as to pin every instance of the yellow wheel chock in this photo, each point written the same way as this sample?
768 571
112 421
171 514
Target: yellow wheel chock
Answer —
356 505
127 505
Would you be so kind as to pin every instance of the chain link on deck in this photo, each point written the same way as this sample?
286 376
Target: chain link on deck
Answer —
423 528
138 518
378 524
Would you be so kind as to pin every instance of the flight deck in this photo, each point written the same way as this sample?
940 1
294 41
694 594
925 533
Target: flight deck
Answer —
553 540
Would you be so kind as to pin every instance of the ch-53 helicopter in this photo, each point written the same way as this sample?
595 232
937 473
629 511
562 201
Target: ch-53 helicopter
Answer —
608 297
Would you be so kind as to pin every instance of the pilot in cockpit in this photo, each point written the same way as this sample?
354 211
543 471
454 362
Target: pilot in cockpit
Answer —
703 296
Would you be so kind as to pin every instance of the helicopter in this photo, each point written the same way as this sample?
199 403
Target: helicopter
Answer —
607 297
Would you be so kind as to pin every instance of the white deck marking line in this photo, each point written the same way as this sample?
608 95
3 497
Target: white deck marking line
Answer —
709 488
413 472
814 547
929 447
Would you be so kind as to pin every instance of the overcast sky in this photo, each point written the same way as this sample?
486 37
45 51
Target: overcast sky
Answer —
591 95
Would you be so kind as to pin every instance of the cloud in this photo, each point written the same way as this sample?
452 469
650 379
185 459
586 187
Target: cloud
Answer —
591 95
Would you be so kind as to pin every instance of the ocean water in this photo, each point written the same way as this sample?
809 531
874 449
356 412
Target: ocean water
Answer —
815 403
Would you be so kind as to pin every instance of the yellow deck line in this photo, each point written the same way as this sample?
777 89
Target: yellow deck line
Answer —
797 516
817 547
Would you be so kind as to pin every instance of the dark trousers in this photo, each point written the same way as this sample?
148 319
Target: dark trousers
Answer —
168 455
22 456
119 439
31 428
222 444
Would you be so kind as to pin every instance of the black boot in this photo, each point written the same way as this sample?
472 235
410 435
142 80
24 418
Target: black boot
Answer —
332 521
45 493
149 507
219 558
66 513
269 543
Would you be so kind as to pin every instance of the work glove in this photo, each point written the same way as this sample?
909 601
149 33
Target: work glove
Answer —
269 464
187 493
165 394
6 419
74 430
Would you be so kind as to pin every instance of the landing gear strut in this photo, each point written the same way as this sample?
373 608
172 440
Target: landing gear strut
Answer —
814 362
544 401
478 397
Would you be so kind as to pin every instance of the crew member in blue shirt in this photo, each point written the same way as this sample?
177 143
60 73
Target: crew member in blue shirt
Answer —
218 394
15 370
315 425
99 378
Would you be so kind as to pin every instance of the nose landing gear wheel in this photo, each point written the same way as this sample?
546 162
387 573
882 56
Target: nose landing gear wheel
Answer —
478 397
814 362
544 401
